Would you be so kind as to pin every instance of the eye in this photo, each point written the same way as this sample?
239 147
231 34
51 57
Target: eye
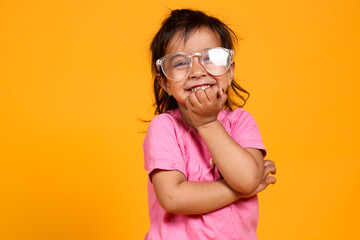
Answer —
181 64
206 58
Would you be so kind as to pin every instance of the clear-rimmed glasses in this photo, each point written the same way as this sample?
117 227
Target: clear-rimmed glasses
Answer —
176 66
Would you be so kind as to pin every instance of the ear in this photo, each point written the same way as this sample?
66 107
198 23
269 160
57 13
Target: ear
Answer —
231 72
164 83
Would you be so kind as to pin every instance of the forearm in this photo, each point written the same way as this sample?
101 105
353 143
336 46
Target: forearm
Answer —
186 197
204 197
239 168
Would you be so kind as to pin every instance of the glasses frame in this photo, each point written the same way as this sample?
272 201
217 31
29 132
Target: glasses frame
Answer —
160 61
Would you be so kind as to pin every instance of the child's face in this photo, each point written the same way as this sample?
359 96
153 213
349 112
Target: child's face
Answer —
197 41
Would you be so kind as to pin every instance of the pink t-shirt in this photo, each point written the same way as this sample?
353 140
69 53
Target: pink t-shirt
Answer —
171 144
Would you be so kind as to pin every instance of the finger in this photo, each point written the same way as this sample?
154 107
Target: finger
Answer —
194 100
260 188
201 96
269 169
211 94
222 97
268 162
269 180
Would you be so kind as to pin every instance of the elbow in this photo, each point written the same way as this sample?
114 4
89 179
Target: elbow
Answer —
246 188
168 206
248 185
252 181
170 203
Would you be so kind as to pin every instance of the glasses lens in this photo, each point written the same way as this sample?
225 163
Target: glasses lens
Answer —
176 66
216 60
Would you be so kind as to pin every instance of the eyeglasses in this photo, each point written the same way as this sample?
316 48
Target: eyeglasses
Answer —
176 66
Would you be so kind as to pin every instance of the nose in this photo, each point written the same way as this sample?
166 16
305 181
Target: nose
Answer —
197 70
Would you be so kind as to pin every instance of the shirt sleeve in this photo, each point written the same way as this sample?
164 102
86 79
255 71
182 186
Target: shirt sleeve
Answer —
246 132
161 148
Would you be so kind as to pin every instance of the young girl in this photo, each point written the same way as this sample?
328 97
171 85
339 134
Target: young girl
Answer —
205 161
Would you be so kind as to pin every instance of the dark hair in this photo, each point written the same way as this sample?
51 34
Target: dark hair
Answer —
187 21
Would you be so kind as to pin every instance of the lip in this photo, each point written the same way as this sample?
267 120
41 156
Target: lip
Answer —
199 84
203 87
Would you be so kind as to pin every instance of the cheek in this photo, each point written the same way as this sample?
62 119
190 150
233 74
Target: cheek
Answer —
228 80
224 81
179 93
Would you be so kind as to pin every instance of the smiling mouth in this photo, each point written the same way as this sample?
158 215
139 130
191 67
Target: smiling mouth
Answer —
201 87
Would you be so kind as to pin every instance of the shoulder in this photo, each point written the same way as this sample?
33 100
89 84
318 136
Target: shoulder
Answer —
238 122
161 143
237 116
167 120
168 124
163 119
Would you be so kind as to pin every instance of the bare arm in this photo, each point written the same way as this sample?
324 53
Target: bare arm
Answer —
178 196
241 168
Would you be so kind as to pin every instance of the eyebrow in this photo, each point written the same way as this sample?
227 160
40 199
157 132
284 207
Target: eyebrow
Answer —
174 55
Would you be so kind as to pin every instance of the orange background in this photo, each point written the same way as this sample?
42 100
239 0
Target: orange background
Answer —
75 79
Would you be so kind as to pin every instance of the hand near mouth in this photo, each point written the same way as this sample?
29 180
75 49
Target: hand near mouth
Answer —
204 105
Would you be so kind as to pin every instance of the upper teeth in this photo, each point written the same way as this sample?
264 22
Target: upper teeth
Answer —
201 87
